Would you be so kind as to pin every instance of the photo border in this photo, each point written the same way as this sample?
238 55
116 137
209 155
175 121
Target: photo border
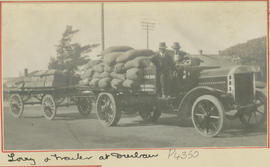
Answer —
112 1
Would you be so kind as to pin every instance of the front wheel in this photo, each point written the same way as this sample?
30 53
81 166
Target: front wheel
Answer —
254 117
208 115
150 113
107 111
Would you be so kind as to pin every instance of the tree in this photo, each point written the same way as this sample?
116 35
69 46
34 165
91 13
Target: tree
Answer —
70 55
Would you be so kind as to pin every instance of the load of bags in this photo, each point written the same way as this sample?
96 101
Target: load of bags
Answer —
121 67
44 78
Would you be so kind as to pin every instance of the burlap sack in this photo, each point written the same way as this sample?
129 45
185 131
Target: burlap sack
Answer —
134 74
108 68
119 68
17 83
105 74
118 76
99 68
116 49
84 82
92 63
104 83
138 62
131 54
110 58
94 82
87 73
47 78
117 83
131 84
97 75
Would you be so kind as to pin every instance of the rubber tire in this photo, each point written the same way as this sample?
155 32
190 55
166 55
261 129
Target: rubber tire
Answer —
250 126
117 113
219 107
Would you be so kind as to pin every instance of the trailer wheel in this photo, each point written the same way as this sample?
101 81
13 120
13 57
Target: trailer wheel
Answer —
150 113
107 111
49 107
84 106
254 117
16 105
208 115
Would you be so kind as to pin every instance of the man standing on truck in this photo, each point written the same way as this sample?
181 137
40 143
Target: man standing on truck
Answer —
177 76
178 54
164 69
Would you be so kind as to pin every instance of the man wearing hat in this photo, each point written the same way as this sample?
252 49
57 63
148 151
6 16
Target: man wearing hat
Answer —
178 55
164 68
178 58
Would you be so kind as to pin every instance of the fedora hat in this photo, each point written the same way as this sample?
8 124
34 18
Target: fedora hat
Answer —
162 45
176 45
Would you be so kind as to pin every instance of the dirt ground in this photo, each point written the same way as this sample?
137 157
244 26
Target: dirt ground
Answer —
70 130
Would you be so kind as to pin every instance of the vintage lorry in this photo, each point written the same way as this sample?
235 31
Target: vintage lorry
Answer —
203 95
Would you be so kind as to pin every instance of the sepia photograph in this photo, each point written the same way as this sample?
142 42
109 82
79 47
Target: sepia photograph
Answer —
134 75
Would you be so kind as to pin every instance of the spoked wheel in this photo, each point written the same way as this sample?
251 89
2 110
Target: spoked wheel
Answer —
49 107
208 115
84 106
16 105
106 108
150 113
257 115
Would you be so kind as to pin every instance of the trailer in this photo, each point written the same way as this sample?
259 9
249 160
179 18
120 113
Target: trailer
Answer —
50 89
50 99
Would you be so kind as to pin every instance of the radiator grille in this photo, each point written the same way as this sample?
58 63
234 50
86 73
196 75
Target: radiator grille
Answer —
243 88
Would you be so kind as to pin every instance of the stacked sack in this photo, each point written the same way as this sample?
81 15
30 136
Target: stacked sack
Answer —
121 67
88 72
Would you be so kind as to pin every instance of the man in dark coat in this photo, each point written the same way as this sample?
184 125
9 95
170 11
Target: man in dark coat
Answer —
178 58
178 54
164 69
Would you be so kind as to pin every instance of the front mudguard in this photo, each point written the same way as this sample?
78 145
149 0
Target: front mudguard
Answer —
185 105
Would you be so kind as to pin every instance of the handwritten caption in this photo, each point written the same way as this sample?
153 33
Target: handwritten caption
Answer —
12 157
173 154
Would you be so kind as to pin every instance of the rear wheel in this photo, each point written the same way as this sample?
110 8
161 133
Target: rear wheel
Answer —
107 111
208 115
84 106
16 105
49 107
150 113
256 116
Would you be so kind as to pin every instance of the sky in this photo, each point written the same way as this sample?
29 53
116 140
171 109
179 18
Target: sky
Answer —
30 31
